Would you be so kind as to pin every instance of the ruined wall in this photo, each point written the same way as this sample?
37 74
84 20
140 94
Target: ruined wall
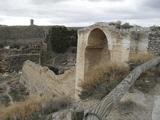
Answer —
138 41
21 34
26 43
154 40
42 81
13 59
24 34
101 43
16 62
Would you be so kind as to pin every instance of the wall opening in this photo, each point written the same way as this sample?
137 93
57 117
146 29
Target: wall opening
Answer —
96 52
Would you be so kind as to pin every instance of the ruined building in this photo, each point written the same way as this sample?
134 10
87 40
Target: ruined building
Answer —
21 43
31 22
113 42
102 42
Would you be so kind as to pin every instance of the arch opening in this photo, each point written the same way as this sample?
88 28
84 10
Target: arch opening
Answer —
96 52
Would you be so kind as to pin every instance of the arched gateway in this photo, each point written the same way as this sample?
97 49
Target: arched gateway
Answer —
97 44
92 50
96 51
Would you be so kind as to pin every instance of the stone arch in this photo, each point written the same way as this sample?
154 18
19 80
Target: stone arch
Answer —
96 51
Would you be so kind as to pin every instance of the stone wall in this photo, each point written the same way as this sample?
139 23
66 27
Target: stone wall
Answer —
13 58
24 34
16 62
139 41
21 34
42 81
154 40
23 43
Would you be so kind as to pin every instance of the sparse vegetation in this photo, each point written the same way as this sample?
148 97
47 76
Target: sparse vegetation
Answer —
33 108
116 24
103 78
107 76
148 80
4 99
1 45
21 110
126 26
140 58
17 91
119 25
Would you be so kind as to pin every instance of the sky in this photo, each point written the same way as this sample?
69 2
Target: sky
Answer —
79 12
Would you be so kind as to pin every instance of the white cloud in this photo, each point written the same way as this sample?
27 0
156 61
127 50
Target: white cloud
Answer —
78 12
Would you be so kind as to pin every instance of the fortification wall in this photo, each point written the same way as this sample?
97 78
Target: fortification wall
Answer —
154 40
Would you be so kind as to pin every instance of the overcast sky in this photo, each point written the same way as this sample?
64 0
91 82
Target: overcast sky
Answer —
79 12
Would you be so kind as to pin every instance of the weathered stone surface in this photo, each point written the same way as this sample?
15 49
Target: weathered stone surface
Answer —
154 40
12 59
42 81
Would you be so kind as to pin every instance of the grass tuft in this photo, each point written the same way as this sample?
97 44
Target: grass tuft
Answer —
109 73
139 58
33 107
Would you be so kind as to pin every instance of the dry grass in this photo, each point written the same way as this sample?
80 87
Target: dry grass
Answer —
110 74
21 109
147 80
35 104
104 72
139 58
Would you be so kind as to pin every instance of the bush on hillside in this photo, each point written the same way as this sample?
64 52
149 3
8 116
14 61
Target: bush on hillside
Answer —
61 38
126 26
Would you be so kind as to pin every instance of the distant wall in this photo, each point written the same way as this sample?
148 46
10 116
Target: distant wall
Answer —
154 40
14 59
16 62
21 34
138 42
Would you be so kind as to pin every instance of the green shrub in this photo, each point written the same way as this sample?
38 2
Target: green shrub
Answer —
126 26
61 38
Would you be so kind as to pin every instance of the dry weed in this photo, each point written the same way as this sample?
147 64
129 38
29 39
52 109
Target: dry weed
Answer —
139 58
35 104
21 110
104 72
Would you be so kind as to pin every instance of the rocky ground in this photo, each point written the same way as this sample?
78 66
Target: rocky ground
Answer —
140 103
11 90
